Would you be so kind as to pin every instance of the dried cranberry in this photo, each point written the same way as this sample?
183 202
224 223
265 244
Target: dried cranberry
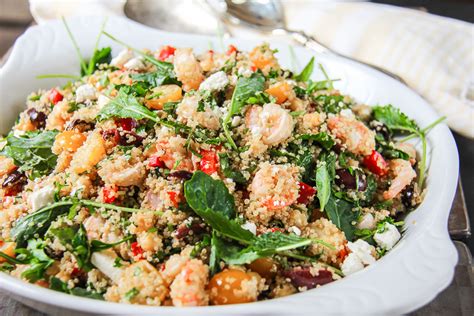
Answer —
181 174
112 135
407 196
14 183
344 177
127 124
302 277
80 125
128 138
183 230
37 118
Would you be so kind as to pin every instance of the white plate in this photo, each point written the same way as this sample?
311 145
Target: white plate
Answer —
412 274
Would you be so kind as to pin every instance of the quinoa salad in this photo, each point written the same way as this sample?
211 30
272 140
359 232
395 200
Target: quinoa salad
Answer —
182 178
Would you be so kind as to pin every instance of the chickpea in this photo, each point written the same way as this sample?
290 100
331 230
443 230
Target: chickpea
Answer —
265 267
68 140
163 94
233 286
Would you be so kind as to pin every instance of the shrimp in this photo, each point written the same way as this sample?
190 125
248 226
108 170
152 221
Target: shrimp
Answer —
358 138
188 112
271 122
174 155
122 173
276 186
173 266
188 288
404 174
6 166
187 69
59 116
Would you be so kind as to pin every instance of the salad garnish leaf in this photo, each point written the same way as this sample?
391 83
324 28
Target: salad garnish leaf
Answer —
126 106
244 89
323 184
321 138
32 151
340 212
306 73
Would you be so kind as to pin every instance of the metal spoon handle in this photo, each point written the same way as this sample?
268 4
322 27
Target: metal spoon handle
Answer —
311 43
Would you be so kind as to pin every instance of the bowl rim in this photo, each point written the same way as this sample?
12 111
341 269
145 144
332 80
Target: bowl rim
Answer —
433 236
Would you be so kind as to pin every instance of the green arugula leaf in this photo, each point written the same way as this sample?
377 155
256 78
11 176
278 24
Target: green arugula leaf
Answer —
126 106
341 214
38 261
394 119
74 238
138 89
97 245
245 88
206 195
321 138
331 103
157 78
306 72
32 152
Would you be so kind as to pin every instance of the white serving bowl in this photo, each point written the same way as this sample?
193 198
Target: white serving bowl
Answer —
413 273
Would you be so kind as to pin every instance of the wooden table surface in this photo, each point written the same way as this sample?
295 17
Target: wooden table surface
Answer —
457 299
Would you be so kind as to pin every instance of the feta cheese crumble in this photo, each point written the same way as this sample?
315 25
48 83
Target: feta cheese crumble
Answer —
351 264
120 60
251 227
41 197
363 250
135 64
85 92
215 82
388 238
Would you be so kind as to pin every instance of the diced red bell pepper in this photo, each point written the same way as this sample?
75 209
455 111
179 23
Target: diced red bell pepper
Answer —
209 161
137 250
342 254
174 197
305 193
110 194
231 50
166 52
376 163
155 162
253 68
55 96
127 124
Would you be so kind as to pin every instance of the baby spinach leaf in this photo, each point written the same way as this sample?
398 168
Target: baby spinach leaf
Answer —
321 138
60 286
306 72
323 184
101 56
36 224
32 151
126 106
206 195
228 171
341 214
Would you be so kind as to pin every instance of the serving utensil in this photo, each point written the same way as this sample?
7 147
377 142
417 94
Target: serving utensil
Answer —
267 16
